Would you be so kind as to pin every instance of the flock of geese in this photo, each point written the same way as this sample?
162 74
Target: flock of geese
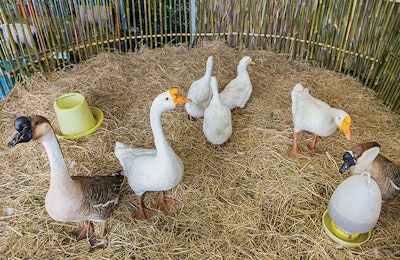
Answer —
92 198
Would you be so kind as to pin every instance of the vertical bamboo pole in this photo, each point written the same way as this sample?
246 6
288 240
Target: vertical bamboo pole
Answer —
61 45
212 15
180 21
347 25
386 28
154 22
24 33
75 31
193 12
147 17
117 24
128 33
170 21
143 31
135 24
175 22
40 39
11 42
162 24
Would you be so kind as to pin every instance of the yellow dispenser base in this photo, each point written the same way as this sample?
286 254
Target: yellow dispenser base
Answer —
337 235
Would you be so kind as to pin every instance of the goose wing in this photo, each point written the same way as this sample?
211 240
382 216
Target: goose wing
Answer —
100 193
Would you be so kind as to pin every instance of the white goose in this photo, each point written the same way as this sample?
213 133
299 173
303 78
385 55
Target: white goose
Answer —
157 169
315 116
236 94
200 93
217 123
71 198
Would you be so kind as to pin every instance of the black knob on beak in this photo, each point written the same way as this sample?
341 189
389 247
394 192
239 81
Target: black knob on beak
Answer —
23 126
349 161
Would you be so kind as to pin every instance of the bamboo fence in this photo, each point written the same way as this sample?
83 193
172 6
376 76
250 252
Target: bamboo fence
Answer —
354 37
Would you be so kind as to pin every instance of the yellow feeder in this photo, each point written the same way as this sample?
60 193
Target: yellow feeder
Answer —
75 117
353 211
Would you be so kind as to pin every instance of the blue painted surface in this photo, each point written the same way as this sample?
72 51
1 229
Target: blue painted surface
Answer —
6 80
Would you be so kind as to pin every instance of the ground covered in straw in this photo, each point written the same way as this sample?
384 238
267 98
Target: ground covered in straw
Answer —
246 199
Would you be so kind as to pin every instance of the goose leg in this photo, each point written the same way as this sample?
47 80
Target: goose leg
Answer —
312 147
143 212
100 242
163 203
295 152
226 142
86 231
191 118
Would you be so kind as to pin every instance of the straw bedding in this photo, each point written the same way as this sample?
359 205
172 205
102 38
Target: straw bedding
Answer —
245 199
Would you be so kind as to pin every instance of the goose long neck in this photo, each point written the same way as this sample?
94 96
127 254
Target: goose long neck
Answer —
56 159
215 96
209 68
241 68
160 142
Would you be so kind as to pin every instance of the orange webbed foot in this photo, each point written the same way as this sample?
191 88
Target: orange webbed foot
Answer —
316 150
166 204
163 203
295 153
143 214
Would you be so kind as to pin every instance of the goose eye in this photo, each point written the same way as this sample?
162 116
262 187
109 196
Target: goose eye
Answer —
167 98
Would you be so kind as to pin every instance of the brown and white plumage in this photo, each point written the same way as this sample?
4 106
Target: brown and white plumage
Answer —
365 157
71 198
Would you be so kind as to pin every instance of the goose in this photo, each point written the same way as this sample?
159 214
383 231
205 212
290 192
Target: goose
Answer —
200 93
217 123
158 169
236 94
365 157
315 116
71 198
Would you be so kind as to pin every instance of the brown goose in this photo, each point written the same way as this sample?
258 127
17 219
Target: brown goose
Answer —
71 198
365 157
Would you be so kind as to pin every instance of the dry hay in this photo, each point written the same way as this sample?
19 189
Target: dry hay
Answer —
242 200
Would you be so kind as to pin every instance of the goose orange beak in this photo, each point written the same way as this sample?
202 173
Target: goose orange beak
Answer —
345 127
178 99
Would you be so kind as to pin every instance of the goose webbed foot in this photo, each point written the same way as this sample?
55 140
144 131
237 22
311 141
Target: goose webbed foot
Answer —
311 145
86 231
163 203
296 153
143 213
99 242
316 150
